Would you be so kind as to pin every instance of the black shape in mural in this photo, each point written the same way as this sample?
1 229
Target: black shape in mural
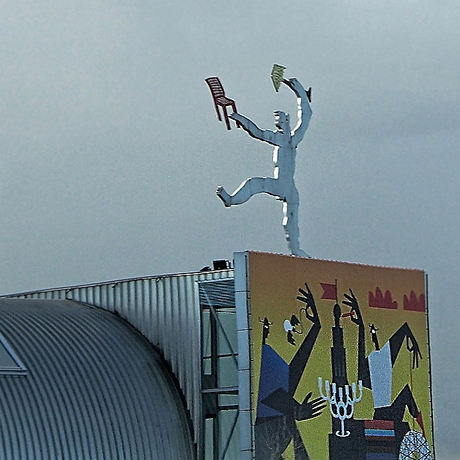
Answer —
277 410
381 436
386 436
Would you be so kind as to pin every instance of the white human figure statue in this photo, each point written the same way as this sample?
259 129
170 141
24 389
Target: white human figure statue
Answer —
282 185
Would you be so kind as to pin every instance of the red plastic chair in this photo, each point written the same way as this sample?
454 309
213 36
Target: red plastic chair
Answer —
219 98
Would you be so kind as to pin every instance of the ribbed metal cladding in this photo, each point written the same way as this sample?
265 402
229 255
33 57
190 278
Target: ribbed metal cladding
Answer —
95 388
218 294
166 310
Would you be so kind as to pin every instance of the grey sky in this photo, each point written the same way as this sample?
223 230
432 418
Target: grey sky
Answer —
111 151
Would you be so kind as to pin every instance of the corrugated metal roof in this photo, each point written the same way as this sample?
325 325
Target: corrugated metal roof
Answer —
166 310
94 388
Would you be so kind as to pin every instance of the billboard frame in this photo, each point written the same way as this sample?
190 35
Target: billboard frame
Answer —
246 358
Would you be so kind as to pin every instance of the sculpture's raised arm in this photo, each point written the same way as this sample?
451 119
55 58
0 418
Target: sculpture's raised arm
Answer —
303 109
265 135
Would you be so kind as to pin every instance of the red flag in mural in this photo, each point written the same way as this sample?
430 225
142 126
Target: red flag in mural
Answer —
329 291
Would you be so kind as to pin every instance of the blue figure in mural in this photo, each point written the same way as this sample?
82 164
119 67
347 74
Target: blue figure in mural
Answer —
277 410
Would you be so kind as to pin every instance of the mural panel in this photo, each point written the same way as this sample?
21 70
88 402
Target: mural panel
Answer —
340 360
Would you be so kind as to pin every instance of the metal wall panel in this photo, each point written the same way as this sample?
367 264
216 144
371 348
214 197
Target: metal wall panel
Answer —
242 302
166 310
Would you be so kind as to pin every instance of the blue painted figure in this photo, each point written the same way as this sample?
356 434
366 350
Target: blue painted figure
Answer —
278 412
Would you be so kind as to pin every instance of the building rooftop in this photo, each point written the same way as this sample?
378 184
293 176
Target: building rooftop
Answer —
79 382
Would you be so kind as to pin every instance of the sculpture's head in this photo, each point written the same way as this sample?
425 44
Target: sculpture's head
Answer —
282 121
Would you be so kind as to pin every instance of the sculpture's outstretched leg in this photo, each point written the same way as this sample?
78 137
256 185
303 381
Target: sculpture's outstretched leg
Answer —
248 188
291 228
224 196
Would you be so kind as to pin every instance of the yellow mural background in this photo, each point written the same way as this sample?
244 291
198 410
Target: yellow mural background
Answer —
274 282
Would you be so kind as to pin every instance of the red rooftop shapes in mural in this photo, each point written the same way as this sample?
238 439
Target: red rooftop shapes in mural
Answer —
378 300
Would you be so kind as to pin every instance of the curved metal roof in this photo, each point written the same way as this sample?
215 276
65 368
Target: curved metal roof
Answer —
94 388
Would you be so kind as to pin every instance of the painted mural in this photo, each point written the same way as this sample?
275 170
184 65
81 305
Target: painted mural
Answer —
340 359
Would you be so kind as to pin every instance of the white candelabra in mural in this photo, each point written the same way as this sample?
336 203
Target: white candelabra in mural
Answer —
341 406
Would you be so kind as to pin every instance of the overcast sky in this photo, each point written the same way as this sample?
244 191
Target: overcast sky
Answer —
111 150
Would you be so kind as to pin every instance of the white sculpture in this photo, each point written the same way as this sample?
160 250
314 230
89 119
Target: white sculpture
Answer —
282 185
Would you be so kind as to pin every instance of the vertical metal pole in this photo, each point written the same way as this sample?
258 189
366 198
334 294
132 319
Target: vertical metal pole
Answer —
429 366
215 374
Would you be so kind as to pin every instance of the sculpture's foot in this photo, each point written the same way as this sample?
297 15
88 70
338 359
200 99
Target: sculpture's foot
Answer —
300 253
224 196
